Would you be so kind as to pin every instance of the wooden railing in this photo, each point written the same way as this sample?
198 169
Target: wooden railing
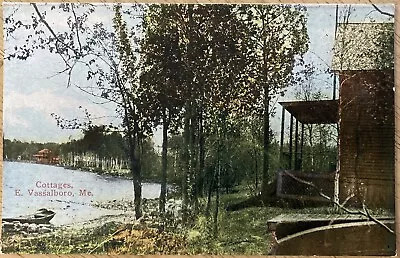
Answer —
290 188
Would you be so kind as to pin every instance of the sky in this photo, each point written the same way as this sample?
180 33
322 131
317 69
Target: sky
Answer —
33 90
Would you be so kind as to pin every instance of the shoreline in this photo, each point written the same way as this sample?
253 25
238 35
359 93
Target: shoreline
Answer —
125 215
93 170
71 209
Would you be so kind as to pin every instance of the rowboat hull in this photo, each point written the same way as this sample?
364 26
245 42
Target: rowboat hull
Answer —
42 216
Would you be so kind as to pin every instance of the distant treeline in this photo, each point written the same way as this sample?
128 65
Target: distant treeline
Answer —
99 150
19 150
107 149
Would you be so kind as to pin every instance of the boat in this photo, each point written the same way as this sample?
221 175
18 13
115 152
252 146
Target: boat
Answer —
332 235
42 216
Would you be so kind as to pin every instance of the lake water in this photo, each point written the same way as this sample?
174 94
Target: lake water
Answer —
28 187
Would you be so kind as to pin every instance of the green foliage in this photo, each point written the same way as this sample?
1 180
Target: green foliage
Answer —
276 39
101 145
99 141
192 68
319 151
18 150
242 232
150 161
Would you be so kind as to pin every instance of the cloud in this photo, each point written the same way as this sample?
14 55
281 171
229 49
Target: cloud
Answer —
41 100
16 120
27 115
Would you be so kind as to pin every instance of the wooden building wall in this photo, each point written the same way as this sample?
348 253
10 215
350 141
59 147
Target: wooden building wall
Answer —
366 138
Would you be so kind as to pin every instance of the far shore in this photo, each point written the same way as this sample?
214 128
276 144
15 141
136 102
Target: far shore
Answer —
123 173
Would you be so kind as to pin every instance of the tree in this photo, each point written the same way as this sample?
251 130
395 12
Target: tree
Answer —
221 53
134 108
280 38
191 48
107 57
162 74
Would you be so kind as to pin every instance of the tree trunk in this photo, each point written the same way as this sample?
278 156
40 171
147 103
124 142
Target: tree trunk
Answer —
266 125
337 174
217 185
135 165
136 176
201 174
256 166
209 193
186 162
266 129
216 210
193 175
163 191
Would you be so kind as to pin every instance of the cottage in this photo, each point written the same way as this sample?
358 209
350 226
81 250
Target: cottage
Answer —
363 61
364 114
46 156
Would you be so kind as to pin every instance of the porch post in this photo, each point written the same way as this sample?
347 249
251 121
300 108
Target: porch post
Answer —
296 147
282 135
291 143
301 146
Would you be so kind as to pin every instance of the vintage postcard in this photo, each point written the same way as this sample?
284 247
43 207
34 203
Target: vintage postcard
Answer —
228 129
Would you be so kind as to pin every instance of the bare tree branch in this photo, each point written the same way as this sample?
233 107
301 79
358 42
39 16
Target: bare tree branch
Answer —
43 20
107 100
77 28
364 213
382 12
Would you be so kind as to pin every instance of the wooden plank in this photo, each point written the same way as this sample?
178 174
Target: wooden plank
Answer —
288 224
341 239
289 218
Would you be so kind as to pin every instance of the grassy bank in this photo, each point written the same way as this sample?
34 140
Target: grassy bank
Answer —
240 232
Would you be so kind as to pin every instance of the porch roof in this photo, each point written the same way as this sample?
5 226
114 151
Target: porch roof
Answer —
313 112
